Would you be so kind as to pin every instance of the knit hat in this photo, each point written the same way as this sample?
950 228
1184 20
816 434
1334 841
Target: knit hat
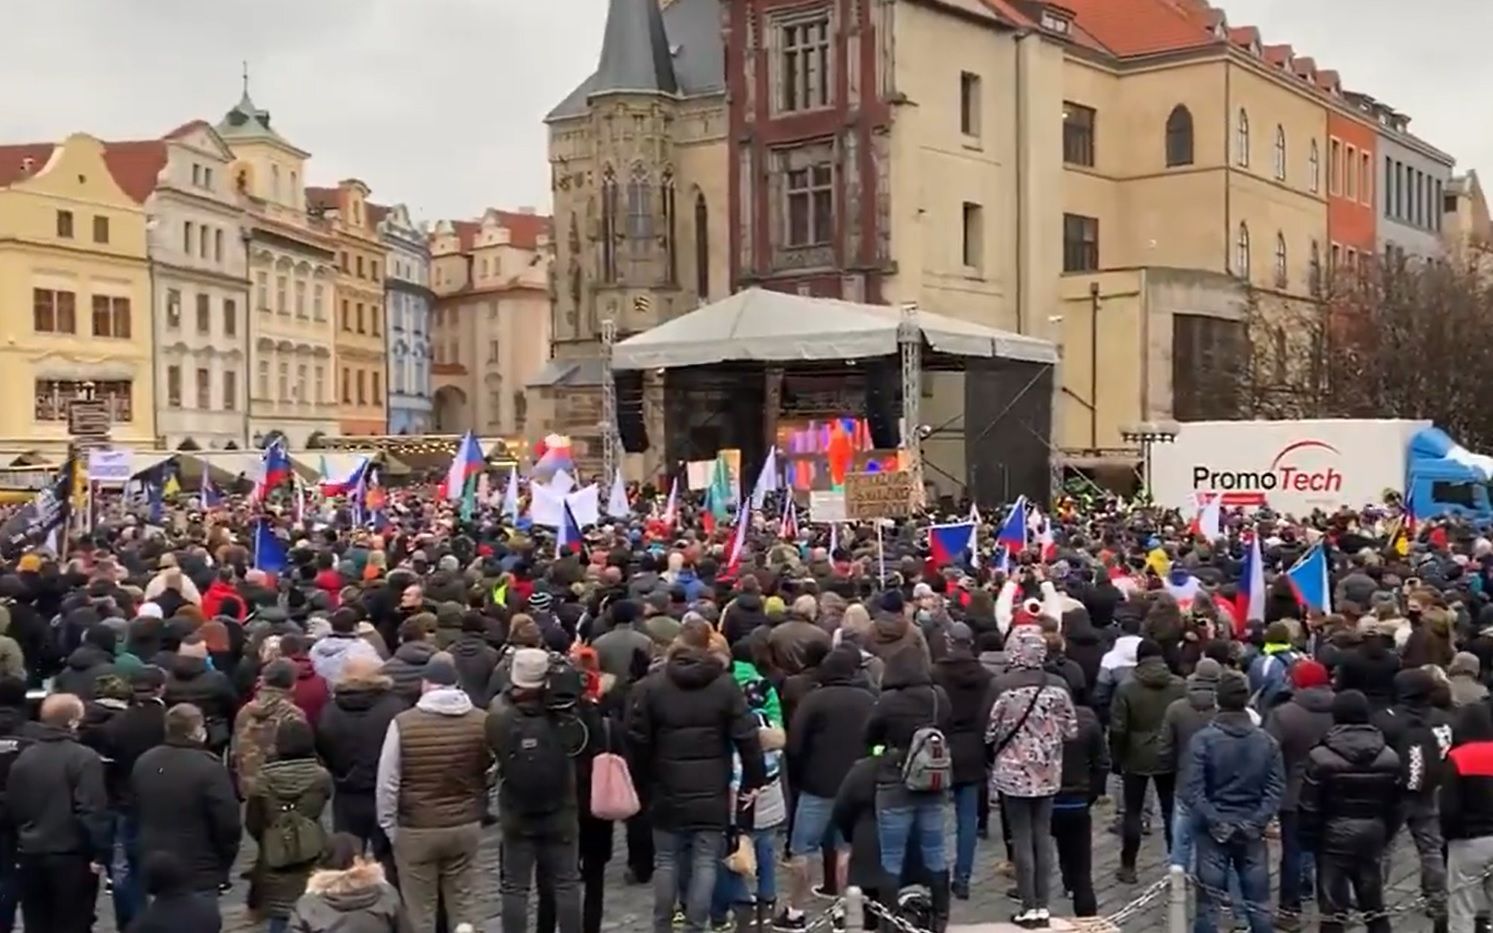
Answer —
280 673
439 671
540 601
1148 648
1278 633
1308 673
1465 662
530 668
891 601
1350 707
1233 691
961 634
1207 671
922 591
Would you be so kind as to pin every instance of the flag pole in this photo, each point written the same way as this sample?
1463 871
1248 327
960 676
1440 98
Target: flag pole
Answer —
880 556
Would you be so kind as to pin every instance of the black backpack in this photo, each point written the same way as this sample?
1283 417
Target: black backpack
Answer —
535 766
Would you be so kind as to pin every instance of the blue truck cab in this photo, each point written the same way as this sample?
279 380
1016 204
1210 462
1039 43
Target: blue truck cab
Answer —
1444 478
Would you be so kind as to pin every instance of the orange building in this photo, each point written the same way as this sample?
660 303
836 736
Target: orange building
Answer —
1351 174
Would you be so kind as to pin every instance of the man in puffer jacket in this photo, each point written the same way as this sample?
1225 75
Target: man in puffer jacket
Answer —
1085 769
1135 726
1298 725
1184 719
407 667
1350 786
1032 717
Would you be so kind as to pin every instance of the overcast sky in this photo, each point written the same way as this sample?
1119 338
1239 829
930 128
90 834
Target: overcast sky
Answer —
438 103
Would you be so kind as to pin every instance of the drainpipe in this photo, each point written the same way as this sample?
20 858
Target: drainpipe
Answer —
1022 118
247 237
1093 365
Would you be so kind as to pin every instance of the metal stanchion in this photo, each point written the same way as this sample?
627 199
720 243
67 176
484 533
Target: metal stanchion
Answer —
855 909
1177 900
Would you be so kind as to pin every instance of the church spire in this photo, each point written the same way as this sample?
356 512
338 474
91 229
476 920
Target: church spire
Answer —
635 54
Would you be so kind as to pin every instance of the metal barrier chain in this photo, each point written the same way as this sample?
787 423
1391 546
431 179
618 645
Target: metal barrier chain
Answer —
1418 902
900 924
1140 902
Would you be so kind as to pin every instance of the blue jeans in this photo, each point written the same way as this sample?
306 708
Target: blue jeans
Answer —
1183 855
692 853
278 925
904 819
129 893
1296 864
812 825
731 888
1247 856
966 821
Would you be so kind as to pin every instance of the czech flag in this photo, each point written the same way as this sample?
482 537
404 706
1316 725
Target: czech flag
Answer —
788 527
1249 604
1208 522
1047 541
274 469
1310 578
1012 532
212 497
738 540
1182 586
345 481
568 537
671 508
466 464
269 551
947 544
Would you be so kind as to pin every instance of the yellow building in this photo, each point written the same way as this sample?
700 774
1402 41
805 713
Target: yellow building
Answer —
361 352
73 251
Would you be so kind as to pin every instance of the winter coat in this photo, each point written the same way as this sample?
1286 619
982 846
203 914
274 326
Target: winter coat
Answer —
1466 799
355 900
1084 646
892 632
12 657
328 655
825 734
1085 762
298 783
854 815
1420 734
55 798
968 685
1348 792
1115 667
1029 757
84 666
1466 689
190 680
682 723
121 741
1184 719
406 669
909 701
185 805
310 691
616 650
1235 775
1270 676
789 643
350 733
742 616
1371 668
254 733
748 678
474 659
1137 714
1298 725
177 912
212 600
1430 641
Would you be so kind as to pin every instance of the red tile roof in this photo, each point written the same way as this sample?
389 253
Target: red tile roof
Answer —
1244 36
322 199
524 230
1278 54
187 128
1141 27
376 213
135 165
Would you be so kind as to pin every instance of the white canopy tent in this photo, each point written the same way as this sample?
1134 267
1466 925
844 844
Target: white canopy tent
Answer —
767 326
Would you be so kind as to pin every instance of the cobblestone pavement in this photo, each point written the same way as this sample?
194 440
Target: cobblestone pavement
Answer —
628 907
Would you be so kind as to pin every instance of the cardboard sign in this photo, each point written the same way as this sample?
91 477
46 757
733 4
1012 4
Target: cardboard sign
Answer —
887 494
826 506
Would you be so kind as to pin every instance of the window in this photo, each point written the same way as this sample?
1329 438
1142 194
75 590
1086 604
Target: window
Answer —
1365 178
609 221
217 245
300 382
1335 259
1350 166
362 388
202 242
320 386
811 205
1280 152
111 317
702 247
1281 277
316 307
53 312
1241 139
1241 251
230 318
378 388
375 324
204 388
360 267
53 396
639 210
1179 137
280 285
196 174
342 261
969 104
671 262
263 381
204 313
1389 186
282 381
262 290
1314 168
973 250
362 326
173 386
347 386
1314 274
230 390
1078 134
173 308
1334 167
492 351
300 298
1437 207
100 229
65 224
373 269
804 79
186 237
347 315
1080 243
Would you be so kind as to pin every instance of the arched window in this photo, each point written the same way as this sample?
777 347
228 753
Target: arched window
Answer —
702 248
639 210
1314 273
1280 152
671 253
1241 144
1314 167
1179 137
1241 252
608 229
1280 259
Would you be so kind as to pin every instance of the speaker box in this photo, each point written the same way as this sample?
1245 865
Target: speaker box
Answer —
883 383
630 424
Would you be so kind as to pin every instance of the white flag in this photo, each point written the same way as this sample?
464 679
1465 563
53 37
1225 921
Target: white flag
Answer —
671 508
510 495
617 506
767 479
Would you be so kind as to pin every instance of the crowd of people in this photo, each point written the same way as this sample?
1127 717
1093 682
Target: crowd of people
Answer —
751 724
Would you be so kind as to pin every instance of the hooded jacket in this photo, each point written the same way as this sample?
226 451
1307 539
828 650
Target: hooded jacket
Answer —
1371 668
825 735
84 666
1029 745
190 680
354 900
255 730
329 654
212 600
968 685
1298 725
1137 716
1115 667
1185 718
474 659
310 690
350 733
1419 733
305 786
406 669
1466 799
1348 790
909 701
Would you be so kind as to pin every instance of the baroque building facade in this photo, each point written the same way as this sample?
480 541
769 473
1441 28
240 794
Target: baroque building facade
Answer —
407 300
361 352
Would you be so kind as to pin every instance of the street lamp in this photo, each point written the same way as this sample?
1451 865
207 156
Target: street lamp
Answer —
1148 434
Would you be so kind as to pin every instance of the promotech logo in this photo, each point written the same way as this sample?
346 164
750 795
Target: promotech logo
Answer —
1298 468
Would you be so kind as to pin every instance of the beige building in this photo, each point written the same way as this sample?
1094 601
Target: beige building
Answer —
361 355
490 322
640 185
1466 226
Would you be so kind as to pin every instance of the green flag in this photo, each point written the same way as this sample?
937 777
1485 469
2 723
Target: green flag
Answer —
720 489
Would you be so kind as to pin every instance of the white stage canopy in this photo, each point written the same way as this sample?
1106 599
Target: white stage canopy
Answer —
768 326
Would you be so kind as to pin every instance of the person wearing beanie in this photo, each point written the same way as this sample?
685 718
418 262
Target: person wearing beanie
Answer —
259 722
431 797
1298 725
1137 716
293 788
1270 671
92 659
1465 673
892 629
1235 781
1184 718
1348 789
191 678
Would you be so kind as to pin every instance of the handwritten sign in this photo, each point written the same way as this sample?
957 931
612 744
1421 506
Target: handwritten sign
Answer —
887 494
826 506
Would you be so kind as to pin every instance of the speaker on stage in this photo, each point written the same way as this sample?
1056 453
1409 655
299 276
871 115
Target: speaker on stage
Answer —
630 423
883 383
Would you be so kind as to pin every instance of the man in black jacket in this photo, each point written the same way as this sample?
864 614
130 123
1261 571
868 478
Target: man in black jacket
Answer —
56 801
16 735
1085 769
1350 785
683 722
190 680
349 740
967 683
185 803
1467 815
1298 725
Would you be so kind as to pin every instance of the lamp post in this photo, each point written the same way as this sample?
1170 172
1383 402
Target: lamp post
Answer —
1148 434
